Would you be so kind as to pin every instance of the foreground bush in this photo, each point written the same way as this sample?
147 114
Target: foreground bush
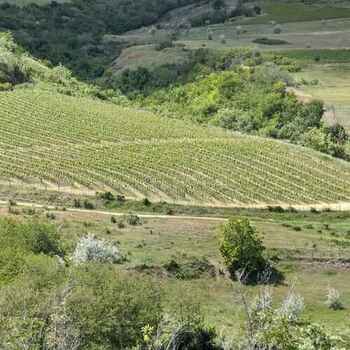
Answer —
20 241
282 327
184 329
92 307
109 309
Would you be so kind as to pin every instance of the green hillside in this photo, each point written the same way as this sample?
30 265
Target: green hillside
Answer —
66 142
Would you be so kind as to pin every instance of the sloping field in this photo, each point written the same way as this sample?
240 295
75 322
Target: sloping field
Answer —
66 142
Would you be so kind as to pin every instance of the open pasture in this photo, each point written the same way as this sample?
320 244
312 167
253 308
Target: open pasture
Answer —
312 249
332 85
303 35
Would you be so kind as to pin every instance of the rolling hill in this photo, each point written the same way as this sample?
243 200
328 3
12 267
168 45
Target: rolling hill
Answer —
72 143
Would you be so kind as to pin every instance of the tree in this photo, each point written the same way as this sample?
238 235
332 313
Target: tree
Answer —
218 4
337 134
242 250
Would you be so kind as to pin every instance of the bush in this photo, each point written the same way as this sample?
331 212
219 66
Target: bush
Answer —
283 328
76 203
277 29
107 196
164 44
109 308
133 220
89 205
333 300
146 202
269 41
292 306
190 269
242 250
183 329
20 241
92 249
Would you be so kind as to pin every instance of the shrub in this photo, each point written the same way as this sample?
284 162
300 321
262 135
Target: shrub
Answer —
333 299
276 209
88 205
223 39
121 224
164 44
277 29
269 41
20 240
190 269
269 328
183 329
133 220
292 306
109 308
76 203
146 202
91 249
120 198
242 250
107 196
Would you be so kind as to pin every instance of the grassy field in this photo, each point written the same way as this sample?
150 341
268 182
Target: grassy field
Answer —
78 144
314 250
297 11
148 57
297 35
330 83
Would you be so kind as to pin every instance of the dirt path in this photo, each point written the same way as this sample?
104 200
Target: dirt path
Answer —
340 206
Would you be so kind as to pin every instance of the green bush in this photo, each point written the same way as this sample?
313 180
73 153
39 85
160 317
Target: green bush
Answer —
242 250
109 309
133 220
32 236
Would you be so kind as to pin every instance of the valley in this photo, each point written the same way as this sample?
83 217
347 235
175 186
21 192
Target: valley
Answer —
174 175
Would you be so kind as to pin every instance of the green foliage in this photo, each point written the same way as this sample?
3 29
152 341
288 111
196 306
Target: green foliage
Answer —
187 269
243 91
242 250
183 329
110 309
71 33
322 55
299 11
21 241
283 328
17 67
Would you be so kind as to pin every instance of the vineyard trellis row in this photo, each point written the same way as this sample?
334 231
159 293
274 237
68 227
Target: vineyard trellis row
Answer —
78 142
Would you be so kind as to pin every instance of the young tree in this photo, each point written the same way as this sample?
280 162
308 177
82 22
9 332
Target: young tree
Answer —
242 250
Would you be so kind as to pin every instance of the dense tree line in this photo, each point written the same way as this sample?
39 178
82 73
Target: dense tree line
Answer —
248 92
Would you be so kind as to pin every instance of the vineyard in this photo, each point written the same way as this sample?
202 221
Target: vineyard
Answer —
52 140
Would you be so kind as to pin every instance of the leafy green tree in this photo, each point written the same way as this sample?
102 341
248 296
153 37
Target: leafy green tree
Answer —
242 250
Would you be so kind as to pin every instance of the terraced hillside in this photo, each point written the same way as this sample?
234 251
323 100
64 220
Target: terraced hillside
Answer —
72 143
